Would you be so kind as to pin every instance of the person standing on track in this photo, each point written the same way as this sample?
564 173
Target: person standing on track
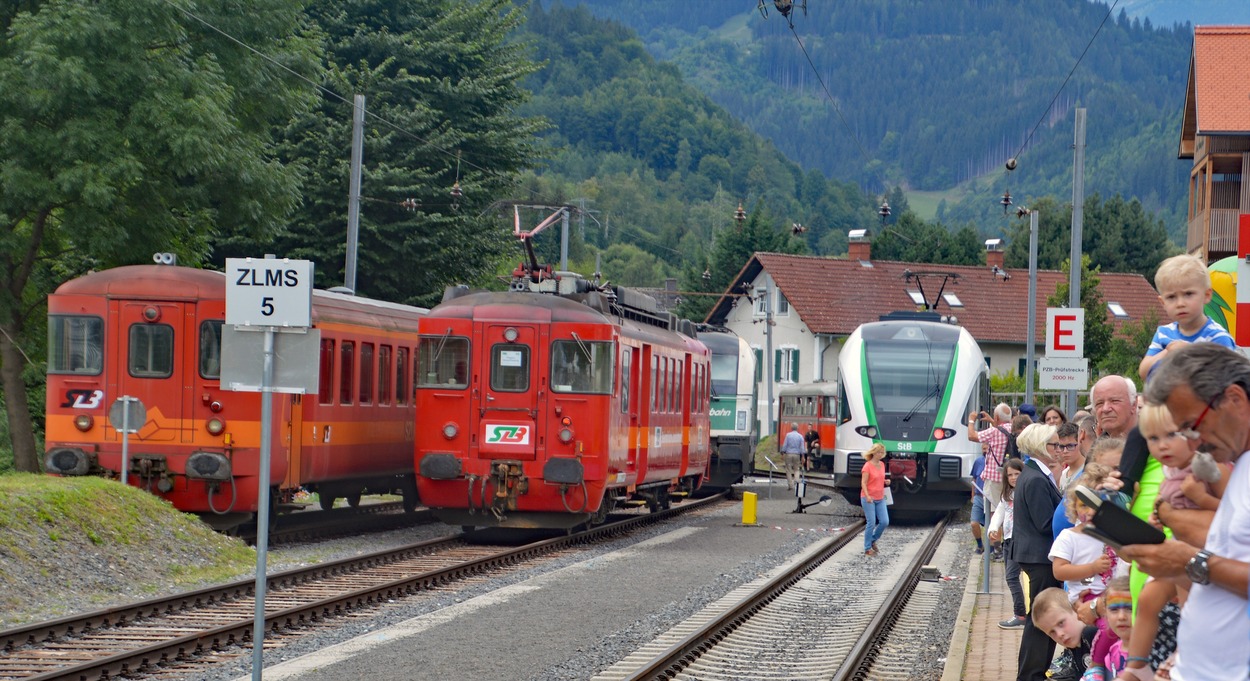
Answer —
792 452
872 497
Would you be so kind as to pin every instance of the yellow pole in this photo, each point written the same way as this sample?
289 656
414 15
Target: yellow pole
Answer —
748 507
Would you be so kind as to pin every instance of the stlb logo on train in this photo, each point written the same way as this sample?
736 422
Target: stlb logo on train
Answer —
507 435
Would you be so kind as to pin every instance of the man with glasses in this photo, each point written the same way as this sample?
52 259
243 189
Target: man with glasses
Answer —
1065 447
1206 387
1114 401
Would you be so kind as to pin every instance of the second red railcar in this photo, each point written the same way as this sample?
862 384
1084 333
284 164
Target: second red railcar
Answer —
548 405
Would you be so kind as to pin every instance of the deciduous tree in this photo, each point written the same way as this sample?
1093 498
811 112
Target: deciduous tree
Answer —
127 127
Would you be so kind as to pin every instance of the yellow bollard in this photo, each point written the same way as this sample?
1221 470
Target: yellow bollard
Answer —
748 507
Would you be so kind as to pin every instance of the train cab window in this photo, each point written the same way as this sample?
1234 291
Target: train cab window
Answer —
210 348
384 374
579 366
626 380
442 362
347 372
510 367
401 376
366 373
75 345
325 379
844 407
151 350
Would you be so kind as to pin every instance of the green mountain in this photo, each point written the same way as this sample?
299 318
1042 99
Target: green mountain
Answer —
938 95
663 166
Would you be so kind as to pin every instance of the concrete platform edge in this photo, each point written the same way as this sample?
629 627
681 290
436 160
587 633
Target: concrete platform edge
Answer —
958 652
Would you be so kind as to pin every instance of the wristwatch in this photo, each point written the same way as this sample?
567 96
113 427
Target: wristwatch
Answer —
1197 569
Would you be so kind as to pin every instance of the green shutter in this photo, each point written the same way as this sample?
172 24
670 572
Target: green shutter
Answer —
794 366
759 365
777 366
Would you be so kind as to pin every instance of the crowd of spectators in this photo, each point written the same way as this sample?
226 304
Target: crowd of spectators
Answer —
1171 610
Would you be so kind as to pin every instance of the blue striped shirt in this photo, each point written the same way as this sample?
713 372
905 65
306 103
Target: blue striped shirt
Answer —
1211 332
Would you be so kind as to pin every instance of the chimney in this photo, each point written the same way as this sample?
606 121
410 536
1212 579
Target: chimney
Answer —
994 254
859 245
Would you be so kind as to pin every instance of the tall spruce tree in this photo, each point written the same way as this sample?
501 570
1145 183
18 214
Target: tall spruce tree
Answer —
441 85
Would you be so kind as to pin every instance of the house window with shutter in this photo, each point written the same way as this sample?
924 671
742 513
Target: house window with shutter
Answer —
783 306
786 365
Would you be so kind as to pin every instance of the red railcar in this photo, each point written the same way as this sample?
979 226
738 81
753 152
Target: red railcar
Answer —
548 405
154 332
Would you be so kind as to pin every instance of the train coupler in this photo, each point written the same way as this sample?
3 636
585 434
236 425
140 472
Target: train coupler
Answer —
509 482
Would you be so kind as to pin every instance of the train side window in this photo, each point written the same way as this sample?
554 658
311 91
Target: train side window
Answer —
347 372
210 348
75 345
655 375
151 350
678 384
325 379
401 376
844 407
626 382
442 362
579 366
694 388
384 374
510 367
664 384
366 373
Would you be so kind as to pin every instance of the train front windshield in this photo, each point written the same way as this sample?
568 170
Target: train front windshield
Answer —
908 371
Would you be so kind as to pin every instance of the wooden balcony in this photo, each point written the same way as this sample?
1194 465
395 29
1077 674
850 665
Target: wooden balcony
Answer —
1221 239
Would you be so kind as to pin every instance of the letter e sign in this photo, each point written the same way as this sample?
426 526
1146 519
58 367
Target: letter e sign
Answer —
1065 332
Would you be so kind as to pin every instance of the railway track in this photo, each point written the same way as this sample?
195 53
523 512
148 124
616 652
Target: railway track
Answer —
795 625
145 638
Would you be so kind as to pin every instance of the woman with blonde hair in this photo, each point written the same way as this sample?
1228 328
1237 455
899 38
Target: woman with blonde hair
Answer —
1033 442
872 497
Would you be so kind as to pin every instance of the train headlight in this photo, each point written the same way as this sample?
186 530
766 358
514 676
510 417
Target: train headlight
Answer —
450 430
84 422
866 431
151 314
566 435
943 433
215 426
510 334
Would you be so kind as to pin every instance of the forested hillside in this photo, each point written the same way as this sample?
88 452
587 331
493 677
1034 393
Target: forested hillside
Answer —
664 167
938 94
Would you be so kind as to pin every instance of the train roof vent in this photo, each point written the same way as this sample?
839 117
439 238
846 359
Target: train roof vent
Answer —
341 290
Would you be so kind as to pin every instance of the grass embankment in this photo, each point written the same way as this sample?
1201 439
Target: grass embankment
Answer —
76 544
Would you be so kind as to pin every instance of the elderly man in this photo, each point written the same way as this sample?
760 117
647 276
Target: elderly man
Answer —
1207 389
995 440
1114 401
792 450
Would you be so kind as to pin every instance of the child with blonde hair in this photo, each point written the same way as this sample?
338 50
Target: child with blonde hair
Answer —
1184 289
1084 564
1054 615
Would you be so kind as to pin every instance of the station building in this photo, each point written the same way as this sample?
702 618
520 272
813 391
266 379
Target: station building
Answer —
817 302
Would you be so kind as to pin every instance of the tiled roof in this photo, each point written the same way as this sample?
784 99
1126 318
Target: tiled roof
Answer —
1218 97
834 296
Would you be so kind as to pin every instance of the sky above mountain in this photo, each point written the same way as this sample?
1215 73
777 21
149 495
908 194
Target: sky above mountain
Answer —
1197 12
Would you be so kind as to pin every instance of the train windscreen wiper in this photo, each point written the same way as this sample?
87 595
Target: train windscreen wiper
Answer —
933 392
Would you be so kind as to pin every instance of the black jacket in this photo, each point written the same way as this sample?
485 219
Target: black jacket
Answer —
1035 500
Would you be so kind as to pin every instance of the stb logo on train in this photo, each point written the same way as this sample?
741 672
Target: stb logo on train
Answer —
507 435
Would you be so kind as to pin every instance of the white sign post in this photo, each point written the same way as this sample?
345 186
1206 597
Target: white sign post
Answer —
274 295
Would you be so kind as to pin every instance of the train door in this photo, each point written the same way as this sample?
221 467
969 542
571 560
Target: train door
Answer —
510 386
156 363
294 443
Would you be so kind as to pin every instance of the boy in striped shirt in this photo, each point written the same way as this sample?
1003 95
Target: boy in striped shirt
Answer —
1184 289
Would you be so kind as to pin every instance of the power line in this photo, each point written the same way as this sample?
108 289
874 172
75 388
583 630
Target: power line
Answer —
863 152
